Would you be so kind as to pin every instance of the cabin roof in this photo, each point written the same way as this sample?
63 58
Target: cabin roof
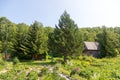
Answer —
91 45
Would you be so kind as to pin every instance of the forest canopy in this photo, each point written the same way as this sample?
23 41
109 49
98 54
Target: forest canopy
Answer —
65 39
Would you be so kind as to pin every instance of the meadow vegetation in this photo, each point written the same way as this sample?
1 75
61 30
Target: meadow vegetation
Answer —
83 68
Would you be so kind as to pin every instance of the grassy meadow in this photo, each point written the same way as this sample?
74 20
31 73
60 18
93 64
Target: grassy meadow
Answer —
82 68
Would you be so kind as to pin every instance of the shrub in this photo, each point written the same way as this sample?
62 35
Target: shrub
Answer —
115 74
32 75
10 75
77 77
15 61
56 68
59 61
86 73
75 71
21 76
63 71
2 62
44 71
80 57
85 58
88 58
53 76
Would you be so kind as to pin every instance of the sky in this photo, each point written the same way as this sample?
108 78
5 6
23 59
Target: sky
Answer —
85 13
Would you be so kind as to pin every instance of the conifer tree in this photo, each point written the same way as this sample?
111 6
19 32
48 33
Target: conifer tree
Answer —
19 40
36 40
66 39
108 43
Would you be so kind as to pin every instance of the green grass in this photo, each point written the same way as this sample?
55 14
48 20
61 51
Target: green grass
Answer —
96 69
89 68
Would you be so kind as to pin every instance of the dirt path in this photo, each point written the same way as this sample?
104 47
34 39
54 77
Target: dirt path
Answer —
3 71
60 74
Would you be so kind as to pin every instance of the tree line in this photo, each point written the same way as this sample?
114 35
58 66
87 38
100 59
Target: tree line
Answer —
65 40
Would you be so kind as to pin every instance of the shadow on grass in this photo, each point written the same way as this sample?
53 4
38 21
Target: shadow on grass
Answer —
37 63
43 63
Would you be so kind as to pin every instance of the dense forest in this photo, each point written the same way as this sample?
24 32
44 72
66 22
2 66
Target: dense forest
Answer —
64 40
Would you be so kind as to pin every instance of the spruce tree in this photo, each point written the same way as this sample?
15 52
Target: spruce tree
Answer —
108 43
36 41
19 40
65 39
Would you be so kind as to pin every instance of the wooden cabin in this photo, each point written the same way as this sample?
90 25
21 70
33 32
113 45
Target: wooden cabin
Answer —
91 49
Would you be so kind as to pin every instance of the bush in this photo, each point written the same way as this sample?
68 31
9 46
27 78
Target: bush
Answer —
53 76
32 75
15 61
63 71
77 77
115 74
86 73
75 71
21 76
88 58
2 62
10 75
56 68
44 71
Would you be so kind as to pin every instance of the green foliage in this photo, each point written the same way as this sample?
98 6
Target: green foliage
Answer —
86 73
10 75
15 61
7 32
108 43
115 74
87 32
53 76
87 58
75 71
32 75
2 62
63 71
21 76
35 42
94 69
65 39
19 41
77 77
79 69
44 71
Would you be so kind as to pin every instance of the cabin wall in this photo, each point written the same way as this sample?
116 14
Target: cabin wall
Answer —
93 53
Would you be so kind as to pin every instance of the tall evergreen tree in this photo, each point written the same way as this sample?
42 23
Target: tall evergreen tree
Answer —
66 39
102 39
112 44
19 40
6 34
107 42
117 30
35 41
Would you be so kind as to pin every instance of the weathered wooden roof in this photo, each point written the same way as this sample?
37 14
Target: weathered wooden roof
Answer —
92 46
